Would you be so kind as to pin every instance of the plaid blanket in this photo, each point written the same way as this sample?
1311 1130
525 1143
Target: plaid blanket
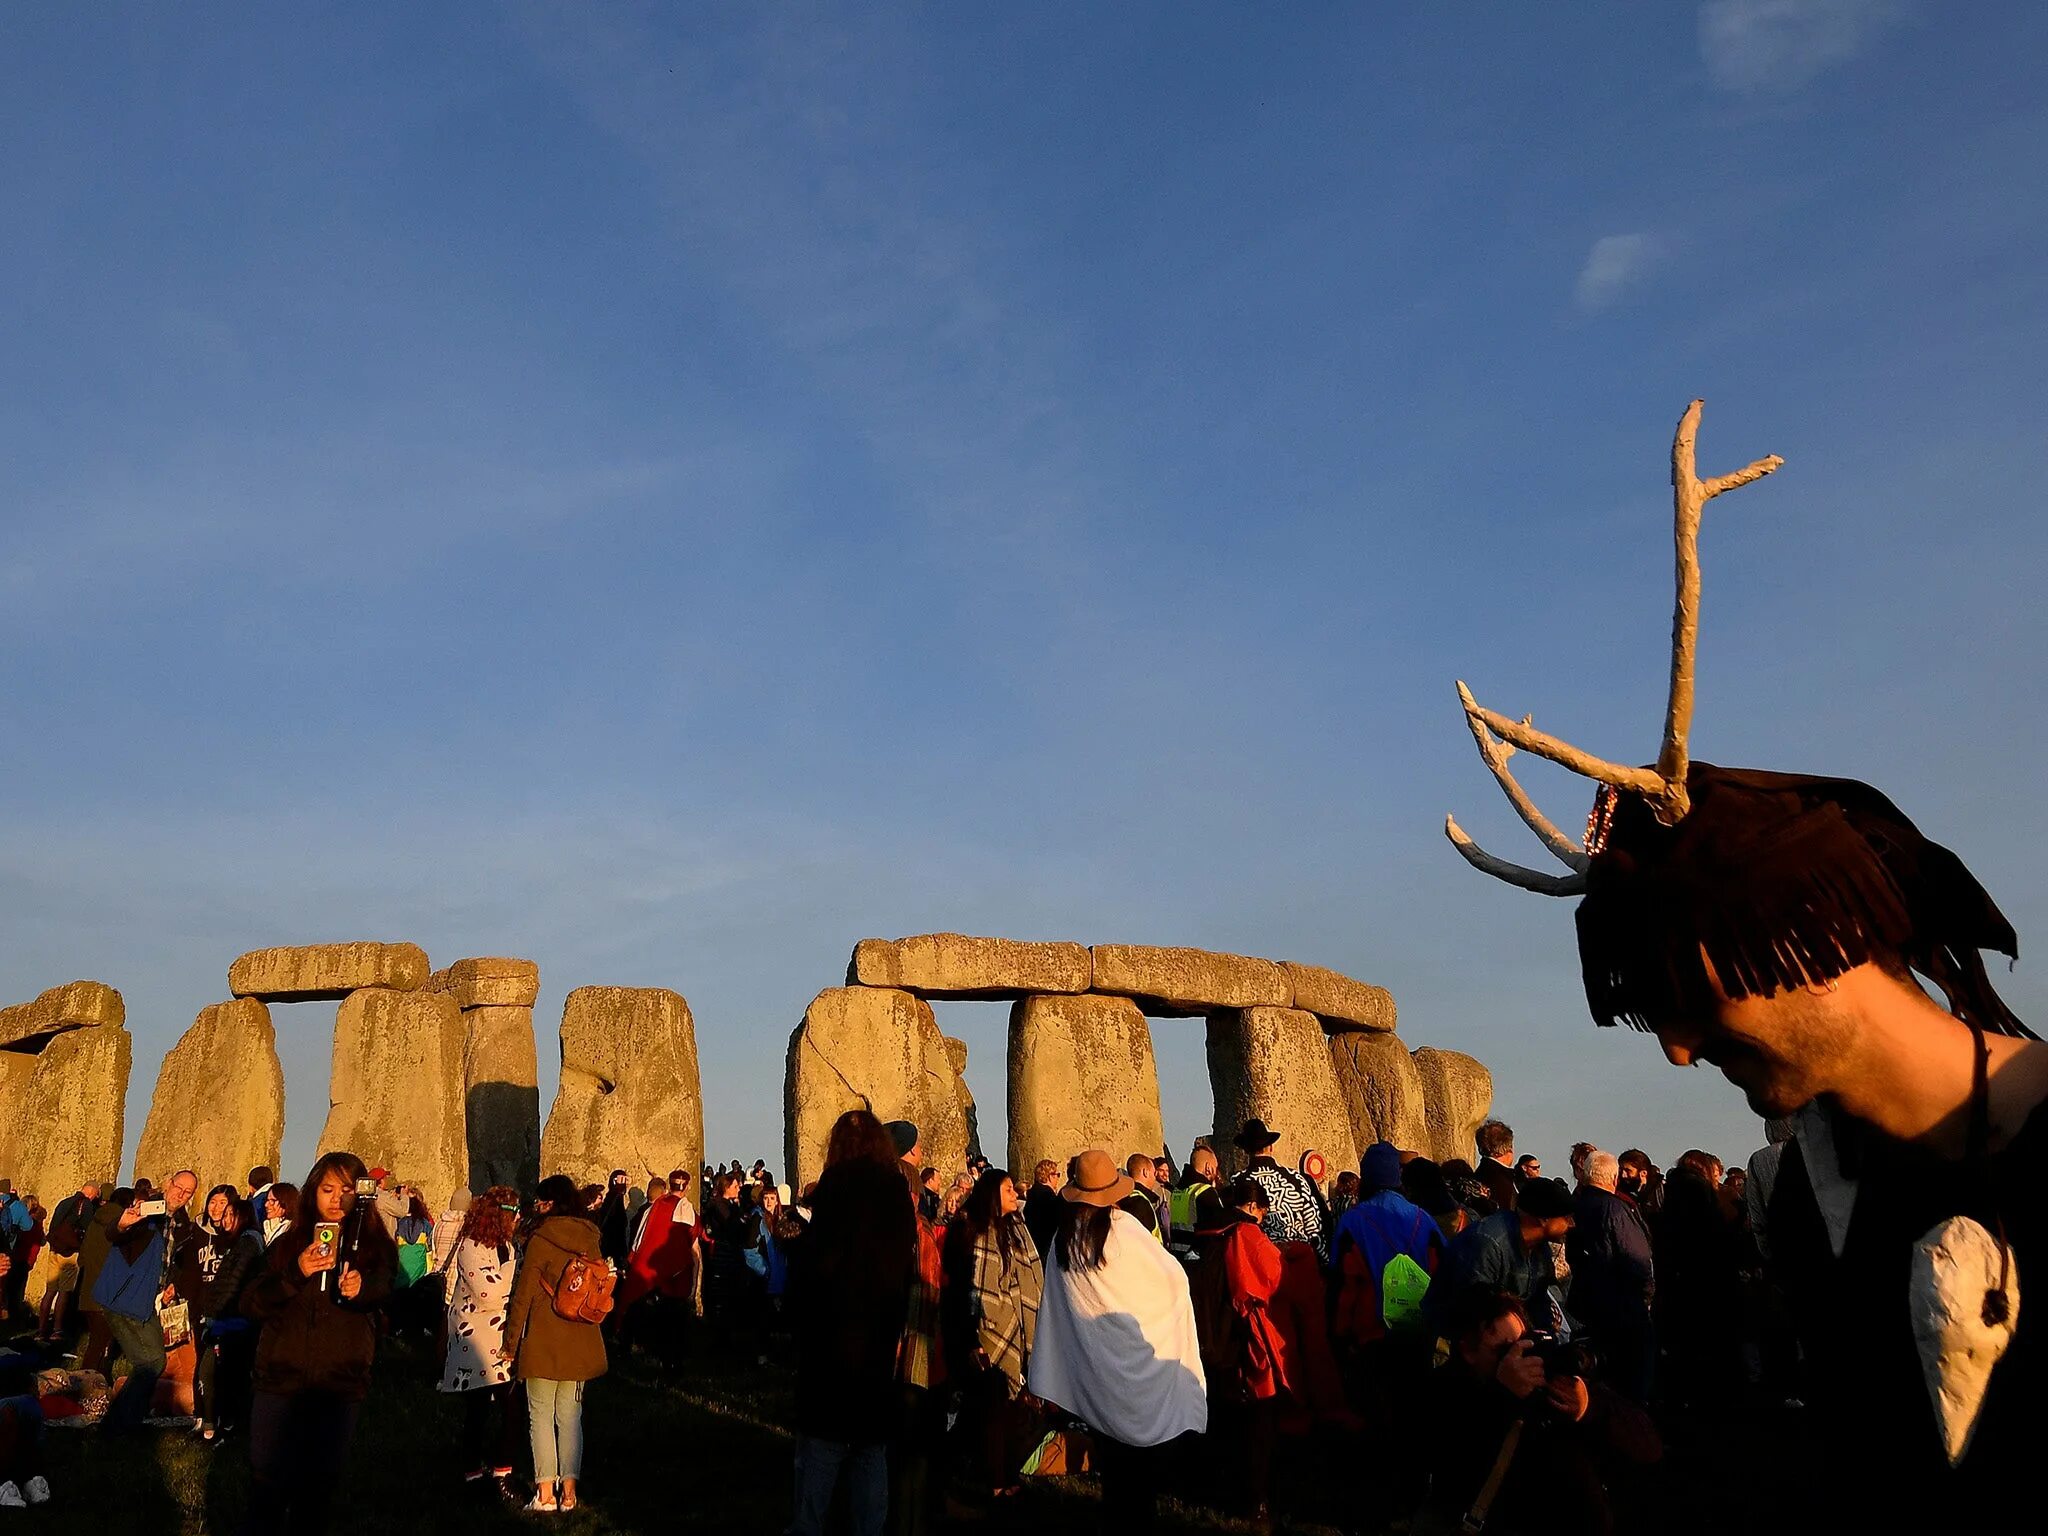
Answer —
1005 1302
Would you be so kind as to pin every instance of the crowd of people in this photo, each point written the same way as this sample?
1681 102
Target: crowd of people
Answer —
1502 1343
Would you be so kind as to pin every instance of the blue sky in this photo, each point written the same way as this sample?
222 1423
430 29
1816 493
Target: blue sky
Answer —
672 491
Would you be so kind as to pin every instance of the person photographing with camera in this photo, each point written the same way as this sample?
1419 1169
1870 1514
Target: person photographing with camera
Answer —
1523 1440
132 1284
322 1280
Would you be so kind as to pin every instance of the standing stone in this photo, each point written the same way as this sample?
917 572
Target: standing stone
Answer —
395 1092
1382 1090
1274 1063
304 973
501 1097
1457 1092
629 1096
218 1108
1082 1075
62 1121
958 965
870 1048
956 1052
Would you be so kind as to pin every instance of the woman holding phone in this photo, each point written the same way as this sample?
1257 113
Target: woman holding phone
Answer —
322 1279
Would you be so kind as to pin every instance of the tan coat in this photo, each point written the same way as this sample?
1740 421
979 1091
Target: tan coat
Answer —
544 1346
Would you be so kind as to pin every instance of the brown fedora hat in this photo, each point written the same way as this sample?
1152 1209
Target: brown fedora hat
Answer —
1093 1178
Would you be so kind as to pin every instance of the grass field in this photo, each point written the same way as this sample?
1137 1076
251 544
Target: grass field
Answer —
707 1448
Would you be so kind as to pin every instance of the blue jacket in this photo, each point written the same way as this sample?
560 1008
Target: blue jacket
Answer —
14 1219
130 1286
1386 1224
1489 1255
1613 1274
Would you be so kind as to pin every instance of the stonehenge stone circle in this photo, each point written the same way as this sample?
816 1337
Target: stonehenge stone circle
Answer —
218 1108
629 1095
1274 1063
306 973
1189 981
1382 1090
1082 1075
876 1048
395 1090
494 982
76 1005
1311 1051
1457 1092
62 1119
501 1097
957 965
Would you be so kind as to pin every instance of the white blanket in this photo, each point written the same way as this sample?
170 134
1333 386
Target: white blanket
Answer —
1116 1346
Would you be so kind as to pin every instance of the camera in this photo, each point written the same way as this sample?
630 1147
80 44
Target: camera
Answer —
1560 1357
366 1189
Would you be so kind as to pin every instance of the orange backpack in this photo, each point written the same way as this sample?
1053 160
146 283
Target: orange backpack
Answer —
584 1293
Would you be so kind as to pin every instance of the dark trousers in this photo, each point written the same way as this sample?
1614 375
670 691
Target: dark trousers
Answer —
490 1442
914 1482
1250 1430
993 1429
1131 1475
220 1380
298 1446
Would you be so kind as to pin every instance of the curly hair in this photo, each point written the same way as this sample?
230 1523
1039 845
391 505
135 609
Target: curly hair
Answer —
492 1216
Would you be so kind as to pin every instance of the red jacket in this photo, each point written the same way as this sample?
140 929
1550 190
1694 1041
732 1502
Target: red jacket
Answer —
666 1260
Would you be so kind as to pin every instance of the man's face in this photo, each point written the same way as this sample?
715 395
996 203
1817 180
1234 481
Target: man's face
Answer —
1484 1349
179 1192
1144 1175
1781 1050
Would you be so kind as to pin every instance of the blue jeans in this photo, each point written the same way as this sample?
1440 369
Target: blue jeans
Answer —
554 1424
818 1464
141 1342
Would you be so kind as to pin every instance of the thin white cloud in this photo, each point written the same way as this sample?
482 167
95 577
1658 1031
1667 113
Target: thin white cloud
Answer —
1615 267
1776 46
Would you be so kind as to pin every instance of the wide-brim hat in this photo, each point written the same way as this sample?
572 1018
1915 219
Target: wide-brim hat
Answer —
1093 1178
1254 1137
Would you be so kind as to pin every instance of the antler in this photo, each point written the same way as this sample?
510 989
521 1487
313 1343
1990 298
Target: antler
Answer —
1689 498
1664 785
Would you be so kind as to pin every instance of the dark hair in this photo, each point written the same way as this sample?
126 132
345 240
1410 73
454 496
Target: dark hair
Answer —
1346 1182
1423 1182
857 1136
1495 1138
367 1246
1481 1307
982 1210
560 1192
261 1175
234 1202
591 1195
1082 1236
1244 1191
1636 1157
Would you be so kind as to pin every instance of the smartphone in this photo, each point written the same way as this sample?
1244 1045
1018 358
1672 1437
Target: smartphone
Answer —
326 1237
153 1208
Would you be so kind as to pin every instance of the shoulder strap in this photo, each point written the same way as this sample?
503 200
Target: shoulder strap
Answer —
1475 1517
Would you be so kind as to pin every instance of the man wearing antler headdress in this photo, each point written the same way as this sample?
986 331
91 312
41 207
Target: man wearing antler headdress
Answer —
1772 924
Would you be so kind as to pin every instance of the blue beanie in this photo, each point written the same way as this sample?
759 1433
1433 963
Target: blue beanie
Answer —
1382 1167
